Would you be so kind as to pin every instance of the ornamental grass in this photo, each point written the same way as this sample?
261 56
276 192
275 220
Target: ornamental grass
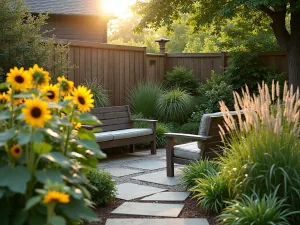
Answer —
44 150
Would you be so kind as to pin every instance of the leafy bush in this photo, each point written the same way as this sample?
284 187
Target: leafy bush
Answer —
105 187
182 78
245 68
264 151
214 90
198 169
143 98
189 128
43 149
255 210
212 192
174 106
100 94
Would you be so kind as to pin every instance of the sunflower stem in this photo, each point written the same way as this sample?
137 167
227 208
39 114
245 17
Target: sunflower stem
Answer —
69 130
50 211
12 107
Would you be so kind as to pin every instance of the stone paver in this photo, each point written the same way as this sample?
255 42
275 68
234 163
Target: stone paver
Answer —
160 177
129 191
179 221
149 209
120 172
147 164
168 196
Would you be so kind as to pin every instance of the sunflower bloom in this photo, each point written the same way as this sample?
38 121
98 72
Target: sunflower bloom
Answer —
16 151
66 86
36 112
4 98
56 196
52 92
40 77
77 125
83 99
19 79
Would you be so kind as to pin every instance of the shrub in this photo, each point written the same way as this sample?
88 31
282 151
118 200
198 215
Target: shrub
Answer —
161 129
100 94
264 151
174 106
105 191
143 98
189 128
214 90
245 68
212 192
197 170
255 210
182 78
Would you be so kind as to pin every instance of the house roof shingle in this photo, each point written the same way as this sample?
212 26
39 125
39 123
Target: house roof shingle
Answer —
66 7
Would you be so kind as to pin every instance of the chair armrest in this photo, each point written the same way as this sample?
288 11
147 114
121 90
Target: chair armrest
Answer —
144 120
188 136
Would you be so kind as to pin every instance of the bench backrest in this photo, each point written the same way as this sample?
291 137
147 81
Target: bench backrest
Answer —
114 118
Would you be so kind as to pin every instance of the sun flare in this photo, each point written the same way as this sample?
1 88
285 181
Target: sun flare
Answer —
120 8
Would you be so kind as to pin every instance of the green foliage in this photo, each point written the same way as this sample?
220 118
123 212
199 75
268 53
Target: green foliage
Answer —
182 78
255 210
174 106
198 169
100 94
104 189
245 68
143 98
213 192
189 128
21 40
214 90
161 129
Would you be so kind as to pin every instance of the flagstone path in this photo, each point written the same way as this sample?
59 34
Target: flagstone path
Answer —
148 192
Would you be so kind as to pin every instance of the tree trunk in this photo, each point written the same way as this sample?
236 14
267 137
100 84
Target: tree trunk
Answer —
294 65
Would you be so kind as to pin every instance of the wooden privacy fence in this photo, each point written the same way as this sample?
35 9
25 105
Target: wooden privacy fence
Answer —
119 68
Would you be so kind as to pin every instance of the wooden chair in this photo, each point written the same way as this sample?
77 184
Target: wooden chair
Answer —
208 143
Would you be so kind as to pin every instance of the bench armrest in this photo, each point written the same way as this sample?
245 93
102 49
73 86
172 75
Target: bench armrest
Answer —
144 120
188 136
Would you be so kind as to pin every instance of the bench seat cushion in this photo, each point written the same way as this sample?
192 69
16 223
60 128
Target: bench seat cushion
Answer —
122 134
188 151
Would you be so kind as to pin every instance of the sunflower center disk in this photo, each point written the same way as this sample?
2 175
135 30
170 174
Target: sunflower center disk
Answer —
36 112
19 79
81 100
17 150
51 94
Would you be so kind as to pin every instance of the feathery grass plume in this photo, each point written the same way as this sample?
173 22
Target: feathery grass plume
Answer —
263 151
100 94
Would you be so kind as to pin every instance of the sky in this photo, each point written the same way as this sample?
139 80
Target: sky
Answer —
118 7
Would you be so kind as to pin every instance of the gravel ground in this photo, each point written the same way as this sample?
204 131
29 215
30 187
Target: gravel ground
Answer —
190 210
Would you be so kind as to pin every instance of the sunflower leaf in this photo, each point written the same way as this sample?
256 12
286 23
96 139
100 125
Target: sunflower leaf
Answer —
85 134
42 148
91 146
23 137
5 115
50 174
57 220
4 85
58 158
7 135
32 202
89 119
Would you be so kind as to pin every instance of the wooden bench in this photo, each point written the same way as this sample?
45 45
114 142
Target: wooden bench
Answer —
118 128
208 143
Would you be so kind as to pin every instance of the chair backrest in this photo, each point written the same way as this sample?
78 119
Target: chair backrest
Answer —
210 127
114 118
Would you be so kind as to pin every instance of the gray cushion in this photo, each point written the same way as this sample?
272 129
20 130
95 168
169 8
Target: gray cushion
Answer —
122 134
188 151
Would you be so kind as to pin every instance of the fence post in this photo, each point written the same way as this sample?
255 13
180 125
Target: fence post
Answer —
223 61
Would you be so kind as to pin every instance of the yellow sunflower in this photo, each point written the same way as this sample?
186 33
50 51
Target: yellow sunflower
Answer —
77 125
4 98
83 99
36 112
17 101
19 79
40 77
16 151
56 196
52 92
66 86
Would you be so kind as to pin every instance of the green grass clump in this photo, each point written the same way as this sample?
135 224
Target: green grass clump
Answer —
104 190
198 169
174 106
255 210
100 94
143 97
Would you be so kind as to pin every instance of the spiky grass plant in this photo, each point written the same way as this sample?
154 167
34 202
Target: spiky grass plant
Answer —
143 97
264 150
101 96
255 210
174 106
212 192
198 169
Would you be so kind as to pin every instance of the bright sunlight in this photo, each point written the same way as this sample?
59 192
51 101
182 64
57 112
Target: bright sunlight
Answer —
120 8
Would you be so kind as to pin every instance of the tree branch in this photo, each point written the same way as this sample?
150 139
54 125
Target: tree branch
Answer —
267 11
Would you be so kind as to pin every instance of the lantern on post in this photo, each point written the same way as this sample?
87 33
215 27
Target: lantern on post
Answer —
162 44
